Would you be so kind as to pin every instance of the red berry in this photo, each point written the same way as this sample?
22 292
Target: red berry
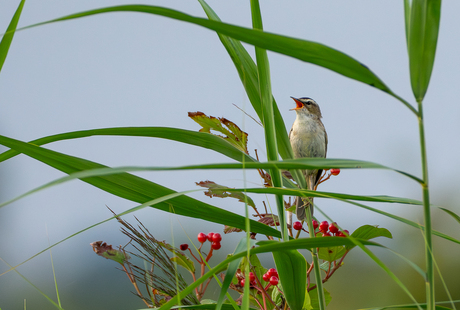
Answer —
346 232
216 245
209 236
272 272
242 282
324 226
184 247
340 234
202 237
252 277
216 237
297 225
274 280
333 228
315 224
326 234
335 171
266 277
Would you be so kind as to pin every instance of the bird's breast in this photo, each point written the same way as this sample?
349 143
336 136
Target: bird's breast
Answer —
308 138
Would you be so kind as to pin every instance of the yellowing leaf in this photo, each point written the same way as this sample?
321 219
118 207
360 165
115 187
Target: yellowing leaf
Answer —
232 133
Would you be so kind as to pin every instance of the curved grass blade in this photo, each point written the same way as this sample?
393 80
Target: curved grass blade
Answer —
451 213
230 273
307 51
267 190
201 139
9 34
33 285
423 32
411 306
299 163
402 220
135 188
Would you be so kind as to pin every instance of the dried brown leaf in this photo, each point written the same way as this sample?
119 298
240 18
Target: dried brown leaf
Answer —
216 190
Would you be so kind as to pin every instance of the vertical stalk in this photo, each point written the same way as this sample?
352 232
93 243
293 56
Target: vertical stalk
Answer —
317 270
266 98
429 280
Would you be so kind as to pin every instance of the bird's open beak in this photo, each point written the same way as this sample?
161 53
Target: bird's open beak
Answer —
298 103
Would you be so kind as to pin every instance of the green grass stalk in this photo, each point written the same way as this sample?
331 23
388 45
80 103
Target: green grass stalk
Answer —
429 280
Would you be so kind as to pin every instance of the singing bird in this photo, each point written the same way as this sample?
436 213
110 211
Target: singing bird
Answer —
308 138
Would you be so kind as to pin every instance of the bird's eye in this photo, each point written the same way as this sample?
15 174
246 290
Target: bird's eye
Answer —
308 102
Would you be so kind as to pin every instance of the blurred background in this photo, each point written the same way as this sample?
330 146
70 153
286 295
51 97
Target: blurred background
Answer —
132 69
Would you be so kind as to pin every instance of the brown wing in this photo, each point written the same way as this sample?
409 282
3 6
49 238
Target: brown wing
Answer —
320 171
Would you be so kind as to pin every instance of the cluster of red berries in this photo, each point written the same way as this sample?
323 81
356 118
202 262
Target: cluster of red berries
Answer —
328 230
270 276
214 238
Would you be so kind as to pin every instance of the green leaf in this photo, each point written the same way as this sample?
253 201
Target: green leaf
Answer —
451 213
423 37
292 271
8 36
314 298
265 91
369 232
413 306
201 139
276 295
403 220
184 262
331 254
231 270
135 188
307 51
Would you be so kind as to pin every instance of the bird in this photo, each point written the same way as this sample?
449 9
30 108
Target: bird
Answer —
308 138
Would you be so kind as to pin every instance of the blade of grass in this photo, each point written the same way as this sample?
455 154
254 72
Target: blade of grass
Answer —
422 39
9 34
201 139
270 190
307 51
423 24
31 284
231 270
265 91
135 188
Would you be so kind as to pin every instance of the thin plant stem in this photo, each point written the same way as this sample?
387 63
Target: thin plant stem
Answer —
316 267
430 299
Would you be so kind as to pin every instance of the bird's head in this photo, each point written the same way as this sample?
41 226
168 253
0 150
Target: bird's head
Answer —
306 105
